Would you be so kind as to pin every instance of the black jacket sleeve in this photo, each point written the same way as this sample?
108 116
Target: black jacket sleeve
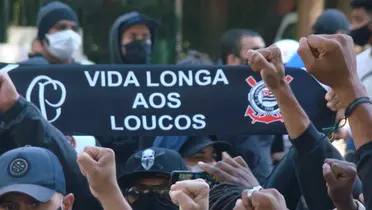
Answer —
284 179
311 149
364 157
24 125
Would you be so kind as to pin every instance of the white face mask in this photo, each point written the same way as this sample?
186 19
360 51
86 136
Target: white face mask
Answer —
63 45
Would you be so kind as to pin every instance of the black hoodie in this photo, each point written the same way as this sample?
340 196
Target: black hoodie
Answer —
123 22
125 146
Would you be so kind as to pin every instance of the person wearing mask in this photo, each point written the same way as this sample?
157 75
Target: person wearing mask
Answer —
194 149
361 16
331 21
32 178
132 39
360 21
145 181
58 35
255 149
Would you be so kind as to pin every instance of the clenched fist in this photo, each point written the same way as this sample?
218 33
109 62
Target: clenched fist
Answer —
330 58
340 177
190 194
266 199
98 165
269 63
8 92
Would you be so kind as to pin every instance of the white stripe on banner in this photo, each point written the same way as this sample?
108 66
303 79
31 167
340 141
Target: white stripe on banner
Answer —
9 67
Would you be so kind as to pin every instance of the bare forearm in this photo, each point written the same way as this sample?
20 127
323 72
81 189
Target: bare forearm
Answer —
360 119
295 119
114 201
361 124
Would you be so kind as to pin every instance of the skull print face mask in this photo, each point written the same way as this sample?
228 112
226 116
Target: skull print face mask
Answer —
148 159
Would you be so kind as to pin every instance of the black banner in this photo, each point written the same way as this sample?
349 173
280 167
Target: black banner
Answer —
112 100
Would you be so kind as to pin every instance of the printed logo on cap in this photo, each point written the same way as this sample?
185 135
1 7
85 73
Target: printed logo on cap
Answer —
263 106
43 82
19 167
148 159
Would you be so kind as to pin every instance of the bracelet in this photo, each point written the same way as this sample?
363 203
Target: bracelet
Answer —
355 103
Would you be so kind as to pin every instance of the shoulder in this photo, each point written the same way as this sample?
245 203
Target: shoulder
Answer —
36 60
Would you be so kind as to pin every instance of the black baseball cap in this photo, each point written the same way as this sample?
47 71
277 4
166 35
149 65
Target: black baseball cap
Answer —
330 22
150 163
190 145
195 144
33 171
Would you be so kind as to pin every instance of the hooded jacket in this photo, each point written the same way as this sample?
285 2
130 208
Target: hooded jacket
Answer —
121 24
24 125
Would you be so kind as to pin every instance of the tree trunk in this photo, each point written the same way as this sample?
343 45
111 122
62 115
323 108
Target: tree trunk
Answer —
344 6
308 12
213 21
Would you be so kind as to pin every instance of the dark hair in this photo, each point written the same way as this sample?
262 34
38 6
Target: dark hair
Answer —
366 4
46 2
230 41
196 58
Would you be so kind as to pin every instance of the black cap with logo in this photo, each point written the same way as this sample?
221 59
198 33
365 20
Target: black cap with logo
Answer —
149 163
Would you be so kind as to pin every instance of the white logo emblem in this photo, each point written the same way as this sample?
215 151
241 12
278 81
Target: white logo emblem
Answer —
262 99
148 159
43 81
18 167
263 107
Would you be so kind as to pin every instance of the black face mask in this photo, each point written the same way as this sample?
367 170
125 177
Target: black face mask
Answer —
361 35
137 52
154 202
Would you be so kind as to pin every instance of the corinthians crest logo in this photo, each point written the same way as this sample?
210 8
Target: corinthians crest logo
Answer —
263 107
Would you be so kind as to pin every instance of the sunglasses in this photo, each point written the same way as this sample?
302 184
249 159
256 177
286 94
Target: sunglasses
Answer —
134 193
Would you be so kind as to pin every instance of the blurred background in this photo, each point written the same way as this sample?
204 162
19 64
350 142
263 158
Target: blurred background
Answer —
185 24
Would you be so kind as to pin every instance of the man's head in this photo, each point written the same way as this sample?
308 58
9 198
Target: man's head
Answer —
361 16
132 38
235 44
331 21
58 32
196 58
194 148
145 182
202 148
32 177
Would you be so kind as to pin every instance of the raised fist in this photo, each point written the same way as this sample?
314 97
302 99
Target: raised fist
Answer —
8 92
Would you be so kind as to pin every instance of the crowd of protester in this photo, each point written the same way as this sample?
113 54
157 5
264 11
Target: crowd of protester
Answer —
304 169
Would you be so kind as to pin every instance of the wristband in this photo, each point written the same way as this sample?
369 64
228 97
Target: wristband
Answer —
355 103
